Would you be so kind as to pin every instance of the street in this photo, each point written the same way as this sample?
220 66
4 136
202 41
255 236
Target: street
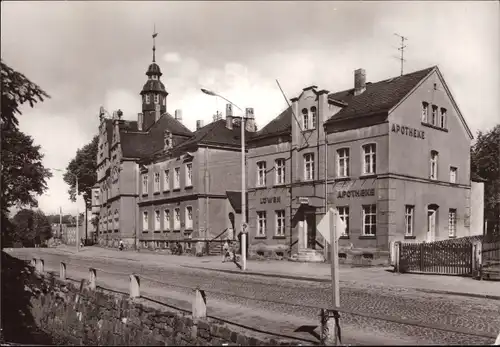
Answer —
376 315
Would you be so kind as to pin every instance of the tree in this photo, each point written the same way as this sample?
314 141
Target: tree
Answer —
485 162
16 90
83 166
23 175
31 228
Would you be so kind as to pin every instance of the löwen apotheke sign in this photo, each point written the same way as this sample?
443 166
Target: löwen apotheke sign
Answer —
271 200
404 130
356 193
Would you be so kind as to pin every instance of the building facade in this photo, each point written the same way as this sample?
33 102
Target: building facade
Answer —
187 190
393 157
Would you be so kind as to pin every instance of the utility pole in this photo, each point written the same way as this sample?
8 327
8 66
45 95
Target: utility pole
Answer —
60 222
402 49
77 238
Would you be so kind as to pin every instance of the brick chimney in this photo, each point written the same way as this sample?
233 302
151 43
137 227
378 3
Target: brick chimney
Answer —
140 119
229 116
199 124
178 115
250 120
359 81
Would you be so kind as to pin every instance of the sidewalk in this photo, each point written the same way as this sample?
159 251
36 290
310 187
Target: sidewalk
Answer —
317 272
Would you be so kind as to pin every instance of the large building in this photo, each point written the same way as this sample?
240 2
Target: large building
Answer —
392 156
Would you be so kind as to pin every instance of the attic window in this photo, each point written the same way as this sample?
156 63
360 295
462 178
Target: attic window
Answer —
435 86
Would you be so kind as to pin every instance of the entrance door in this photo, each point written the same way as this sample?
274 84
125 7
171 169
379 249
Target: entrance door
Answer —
311 230
431 224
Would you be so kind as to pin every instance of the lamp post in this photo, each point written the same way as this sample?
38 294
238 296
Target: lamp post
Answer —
77 242
243 182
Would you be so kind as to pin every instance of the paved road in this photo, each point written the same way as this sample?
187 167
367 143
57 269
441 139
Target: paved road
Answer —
402 316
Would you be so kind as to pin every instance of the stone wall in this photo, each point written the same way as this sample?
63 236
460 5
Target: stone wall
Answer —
79 315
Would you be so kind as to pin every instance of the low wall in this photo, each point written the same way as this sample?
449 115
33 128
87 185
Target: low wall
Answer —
81 315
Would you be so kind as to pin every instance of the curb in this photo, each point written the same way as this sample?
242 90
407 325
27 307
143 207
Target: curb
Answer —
325 280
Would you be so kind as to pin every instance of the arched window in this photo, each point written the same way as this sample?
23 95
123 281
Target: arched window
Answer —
157 99
305 119
148 99
433 175
313 117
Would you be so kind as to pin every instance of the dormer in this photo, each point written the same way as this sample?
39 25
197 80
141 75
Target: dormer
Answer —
167 140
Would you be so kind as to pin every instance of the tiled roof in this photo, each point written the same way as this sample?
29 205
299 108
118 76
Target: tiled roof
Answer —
378 97
280 124
153 86
234 198
137 144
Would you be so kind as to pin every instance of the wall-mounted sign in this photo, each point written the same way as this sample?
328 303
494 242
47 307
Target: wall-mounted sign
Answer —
270 200
356 193
404 130
303 200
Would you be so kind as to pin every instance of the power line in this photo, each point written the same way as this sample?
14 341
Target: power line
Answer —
402 49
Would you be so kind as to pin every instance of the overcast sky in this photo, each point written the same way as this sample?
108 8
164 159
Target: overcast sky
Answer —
88 54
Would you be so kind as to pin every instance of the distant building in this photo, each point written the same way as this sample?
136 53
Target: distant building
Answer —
396 156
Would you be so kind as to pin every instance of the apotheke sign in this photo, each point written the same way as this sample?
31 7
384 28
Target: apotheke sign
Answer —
404 130
271 200
356 193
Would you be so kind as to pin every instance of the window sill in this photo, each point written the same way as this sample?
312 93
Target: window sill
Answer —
176 189
156 193
434 127
408 237
278 185
166 190
276 237
368 237
166 231
345 237
452 237
340 179
262 237
371 175
177 230
188 230
144 194
260 187
189 187
157 231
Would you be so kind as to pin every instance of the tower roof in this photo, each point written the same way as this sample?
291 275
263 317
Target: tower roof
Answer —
154 86
154 69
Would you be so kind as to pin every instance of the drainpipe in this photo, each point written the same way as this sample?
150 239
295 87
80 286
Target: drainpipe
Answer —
291 196
325 249
136 210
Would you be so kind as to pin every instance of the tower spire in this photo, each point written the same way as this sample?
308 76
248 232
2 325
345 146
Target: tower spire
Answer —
154 48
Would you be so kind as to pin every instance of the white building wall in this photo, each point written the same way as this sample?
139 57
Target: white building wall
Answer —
477 208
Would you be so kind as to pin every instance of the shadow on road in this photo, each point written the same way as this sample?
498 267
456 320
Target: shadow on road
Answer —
18 324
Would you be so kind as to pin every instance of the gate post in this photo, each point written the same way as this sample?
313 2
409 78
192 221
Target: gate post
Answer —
422 256
397 256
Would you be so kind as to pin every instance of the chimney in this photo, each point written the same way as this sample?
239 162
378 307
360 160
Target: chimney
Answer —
199 124
119 113
250 120
359 81
140 119
157 113
229 116
178 115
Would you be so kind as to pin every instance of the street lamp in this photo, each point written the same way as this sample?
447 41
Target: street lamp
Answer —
243 184
77 234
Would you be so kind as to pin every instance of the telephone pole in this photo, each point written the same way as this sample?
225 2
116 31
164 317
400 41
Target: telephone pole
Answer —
402 50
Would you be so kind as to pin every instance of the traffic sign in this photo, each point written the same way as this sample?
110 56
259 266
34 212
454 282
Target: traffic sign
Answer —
324 226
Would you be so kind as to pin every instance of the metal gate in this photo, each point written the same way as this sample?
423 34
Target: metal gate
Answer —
490 255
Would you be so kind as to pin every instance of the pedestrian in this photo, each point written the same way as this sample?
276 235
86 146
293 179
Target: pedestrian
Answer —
225 251
121 245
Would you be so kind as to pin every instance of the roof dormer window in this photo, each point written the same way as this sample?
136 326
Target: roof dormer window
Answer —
155 77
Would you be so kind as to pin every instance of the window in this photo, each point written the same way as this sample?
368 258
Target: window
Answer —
308 166
177 219
166 220
157 99
369 220
145 183
189 175
434 114
148 99
117 220
344 215
261 173
261 223
370 158
280 171
343 162
177 178
409 211
425 112
145 221
189 217
452 222
157 220
157 182
96 197
166 180
443 118
433 165
453 174
110 221
305 119
313 117
280 223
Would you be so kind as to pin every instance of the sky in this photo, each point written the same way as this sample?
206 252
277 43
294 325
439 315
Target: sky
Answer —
91 54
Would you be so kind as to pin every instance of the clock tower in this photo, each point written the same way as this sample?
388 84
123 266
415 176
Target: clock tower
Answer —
154 95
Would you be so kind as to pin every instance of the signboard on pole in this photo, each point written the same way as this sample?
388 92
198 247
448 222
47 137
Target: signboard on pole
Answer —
324 225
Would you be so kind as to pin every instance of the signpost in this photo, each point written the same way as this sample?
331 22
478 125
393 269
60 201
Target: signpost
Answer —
331 227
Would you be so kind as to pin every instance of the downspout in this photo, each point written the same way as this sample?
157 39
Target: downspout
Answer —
291 196
325 249
207 190
136 211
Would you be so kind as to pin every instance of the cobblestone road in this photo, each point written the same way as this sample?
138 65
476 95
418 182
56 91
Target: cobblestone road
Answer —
372 314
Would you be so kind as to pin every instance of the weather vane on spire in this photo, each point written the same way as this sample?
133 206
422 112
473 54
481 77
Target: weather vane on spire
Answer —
154 35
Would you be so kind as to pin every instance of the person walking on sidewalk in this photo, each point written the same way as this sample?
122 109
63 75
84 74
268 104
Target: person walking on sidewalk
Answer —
225 251
233 256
